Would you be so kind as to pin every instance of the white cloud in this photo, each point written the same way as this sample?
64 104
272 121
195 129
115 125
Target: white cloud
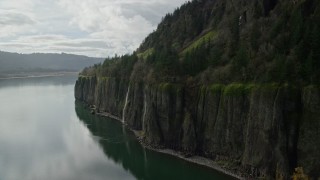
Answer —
88 27
57 44
13 22
14 18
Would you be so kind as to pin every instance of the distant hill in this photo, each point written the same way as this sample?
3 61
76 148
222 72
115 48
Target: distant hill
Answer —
14 63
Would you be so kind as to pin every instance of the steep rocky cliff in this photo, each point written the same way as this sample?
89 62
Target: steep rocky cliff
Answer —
309 132
107 94
261 130
233 81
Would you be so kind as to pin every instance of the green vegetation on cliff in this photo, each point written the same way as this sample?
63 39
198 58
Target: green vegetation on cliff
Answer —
226 41
224 79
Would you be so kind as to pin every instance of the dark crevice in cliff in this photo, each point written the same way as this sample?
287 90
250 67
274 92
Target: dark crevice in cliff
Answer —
183 114
293 105
200 119
218 107
158 99
269 5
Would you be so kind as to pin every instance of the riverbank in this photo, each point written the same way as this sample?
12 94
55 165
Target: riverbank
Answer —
198 160
36 75
202 161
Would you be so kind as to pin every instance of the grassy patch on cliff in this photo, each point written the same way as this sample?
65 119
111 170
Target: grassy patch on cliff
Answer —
238 89
207 37
170 87
104 78
312 87
216 88
82 78
269 86
144 55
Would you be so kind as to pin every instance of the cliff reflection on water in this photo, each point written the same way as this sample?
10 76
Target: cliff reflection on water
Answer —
121 146
41 137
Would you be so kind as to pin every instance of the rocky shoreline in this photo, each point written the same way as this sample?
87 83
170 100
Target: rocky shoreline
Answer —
202 161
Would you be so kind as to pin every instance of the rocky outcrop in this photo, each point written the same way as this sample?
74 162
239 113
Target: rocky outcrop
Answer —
85 89
134 109
107 94
163 116
260 130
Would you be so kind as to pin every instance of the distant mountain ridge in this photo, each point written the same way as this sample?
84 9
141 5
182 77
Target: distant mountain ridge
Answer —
15 63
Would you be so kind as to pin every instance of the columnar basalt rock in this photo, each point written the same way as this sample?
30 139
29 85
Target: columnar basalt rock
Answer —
134 110
261 130
309 132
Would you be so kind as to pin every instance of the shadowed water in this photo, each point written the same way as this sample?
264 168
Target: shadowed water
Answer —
44 134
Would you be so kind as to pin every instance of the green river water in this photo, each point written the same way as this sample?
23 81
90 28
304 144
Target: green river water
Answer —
46 135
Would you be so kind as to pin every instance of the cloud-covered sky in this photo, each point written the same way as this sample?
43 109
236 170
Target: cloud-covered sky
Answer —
97 28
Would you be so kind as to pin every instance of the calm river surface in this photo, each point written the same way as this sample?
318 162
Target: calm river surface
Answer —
45 135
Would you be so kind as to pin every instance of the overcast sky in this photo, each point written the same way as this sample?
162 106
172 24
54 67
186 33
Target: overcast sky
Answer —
97 28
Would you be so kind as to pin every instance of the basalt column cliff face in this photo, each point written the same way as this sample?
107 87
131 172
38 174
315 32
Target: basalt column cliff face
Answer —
262 130
233 81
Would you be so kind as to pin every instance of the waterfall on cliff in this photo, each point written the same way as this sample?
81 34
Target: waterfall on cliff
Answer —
125 104
144 110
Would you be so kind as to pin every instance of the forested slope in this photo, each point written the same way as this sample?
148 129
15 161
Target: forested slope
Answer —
234 81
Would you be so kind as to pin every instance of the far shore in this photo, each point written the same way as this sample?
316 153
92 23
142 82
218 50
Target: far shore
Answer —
36 75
